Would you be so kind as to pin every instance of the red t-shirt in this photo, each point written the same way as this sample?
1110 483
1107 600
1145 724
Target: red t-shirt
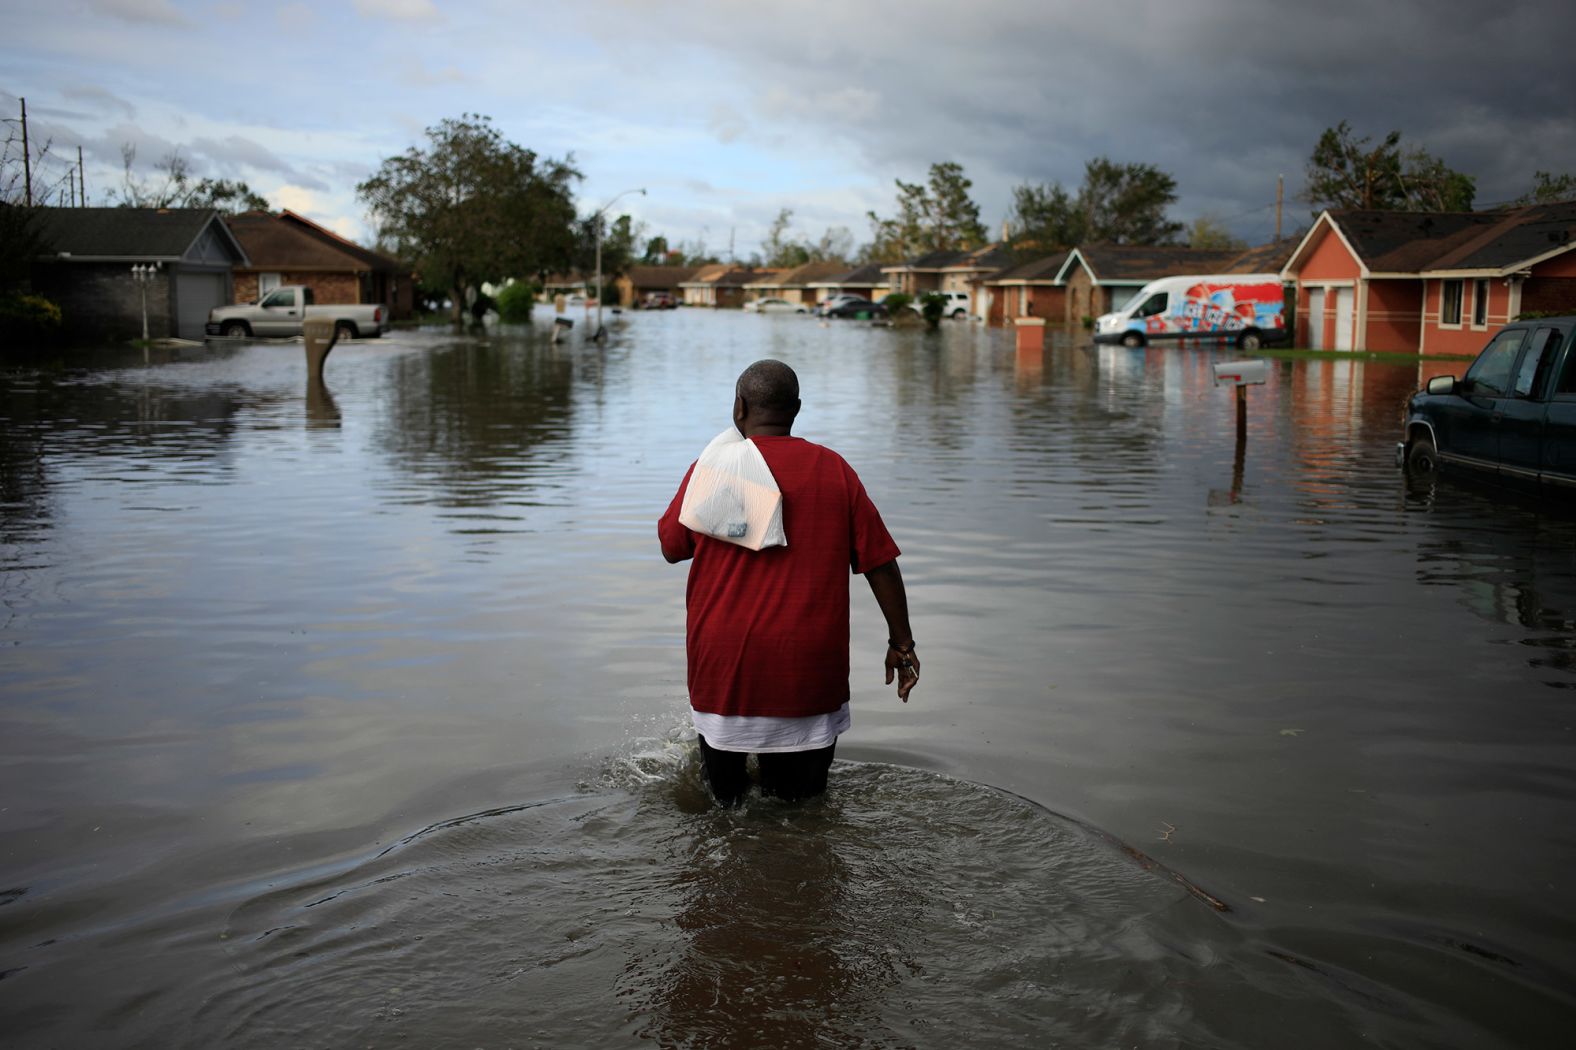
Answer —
768 629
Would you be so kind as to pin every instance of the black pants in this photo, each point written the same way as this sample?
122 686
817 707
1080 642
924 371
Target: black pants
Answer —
788 775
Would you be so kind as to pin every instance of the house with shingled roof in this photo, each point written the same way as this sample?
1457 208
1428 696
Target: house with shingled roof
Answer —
866 281
288 248
1031 289
1430 282
794 285
634 284
88 256
1100 278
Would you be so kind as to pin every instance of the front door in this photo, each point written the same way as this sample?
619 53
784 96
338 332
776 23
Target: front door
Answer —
1343 318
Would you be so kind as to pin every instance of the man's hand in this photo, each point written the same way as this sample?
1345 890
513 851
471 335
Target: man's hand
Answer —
906 667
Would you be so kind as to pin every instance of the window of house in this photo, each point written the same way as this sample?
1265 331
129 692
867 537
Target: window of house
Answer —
1490 373
1529 376
1153 305
1480 303
1450 302
267 282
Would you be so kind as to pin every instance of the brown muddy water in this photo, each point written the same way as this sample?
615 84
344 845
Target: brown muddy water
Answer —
355 716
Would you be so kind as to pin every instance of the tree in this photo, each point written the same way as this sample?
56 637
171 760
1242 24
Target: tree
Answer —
656 251
1346 172
935 216
780 249
1209 232
1116 204
619 238
1548 188
174 188
471 207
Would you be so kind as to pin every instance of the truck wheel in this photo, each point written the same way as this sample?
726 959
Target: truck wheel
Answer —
1422 459
1132 340
235 330
1250 340
344 330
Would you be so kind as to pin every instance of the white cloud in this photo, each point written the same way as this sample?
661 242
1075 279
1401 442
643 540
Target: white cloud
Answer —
150 12
295 198
402 10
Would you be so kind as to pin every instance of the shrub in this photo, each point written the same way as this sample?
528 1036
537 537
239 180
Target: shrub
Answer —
515 302
931 307
28 318
897 301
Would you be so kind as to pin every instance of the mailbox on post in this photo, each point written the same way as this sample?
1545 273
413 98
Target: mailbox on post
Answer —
1242 374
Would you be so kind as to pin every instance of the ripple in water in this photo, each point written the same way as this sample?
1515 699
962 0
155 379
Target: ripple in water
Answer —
905 908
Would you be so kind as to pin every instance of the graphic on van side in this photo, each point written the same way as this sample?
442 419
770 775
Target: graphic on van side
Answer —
1207 308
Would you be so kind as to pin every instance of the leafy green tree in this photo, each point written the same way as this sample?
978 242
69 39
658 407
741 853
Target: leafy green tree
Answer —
1548 188
1116 204
1209 232
471 207
619 238
656 253
1349 172
937 215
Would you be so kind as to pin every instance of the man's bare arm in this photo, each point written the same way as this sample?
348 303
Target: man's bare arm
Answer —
886 583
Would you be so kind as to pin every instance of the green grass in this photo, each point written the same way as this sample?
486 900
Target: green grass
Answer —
1356 355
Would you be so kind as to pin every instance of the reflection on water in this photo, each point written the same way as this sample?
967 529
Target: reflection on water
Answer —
259 631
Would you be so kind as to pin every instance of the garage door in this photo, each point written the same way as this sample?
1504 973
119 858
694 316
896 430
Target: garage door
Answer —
195 294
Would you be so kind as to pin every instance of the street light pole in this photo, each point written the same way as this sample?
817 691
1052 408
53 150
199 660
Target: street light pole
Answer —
596 223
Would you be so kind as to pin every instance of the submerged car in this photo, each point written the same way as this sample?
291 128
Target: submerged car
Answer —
1511 419
774 306
858 308
659 301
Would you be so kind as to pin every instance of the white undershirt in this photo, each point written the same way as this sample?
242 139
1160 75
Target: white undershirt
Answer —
765 733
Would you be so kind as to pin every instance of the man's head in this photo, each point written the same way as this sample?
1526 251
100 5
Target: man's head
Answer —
766 397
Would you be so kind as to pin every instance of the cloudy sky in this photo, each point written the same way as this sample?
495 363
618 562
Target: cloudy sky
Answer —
726 112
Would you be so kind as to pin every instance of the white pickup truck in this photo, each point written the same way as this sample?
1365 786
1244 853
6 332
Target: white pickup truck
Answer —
281 311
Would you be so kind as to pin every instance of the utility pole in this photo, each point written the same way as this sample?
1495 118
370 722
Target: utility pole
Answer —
82 181
1280 195
27 161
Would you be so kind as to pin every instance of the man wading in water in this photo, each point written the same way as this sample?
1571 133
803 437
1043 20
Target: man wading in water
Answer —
767 630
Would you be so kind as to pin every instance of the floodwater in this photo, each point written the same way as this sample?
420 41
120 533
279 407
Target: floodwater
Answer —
354 715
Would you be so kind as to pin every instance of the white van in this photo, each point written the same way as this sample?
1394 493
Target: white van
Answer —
1247 309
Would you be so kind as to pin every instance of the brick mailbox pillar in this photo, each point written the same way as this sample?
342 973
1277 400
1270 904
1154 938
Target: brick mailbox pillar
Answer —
1031 333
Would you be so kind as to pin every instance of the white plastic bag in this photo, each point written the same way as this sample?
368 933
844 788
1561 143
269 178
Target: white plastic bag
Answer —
732 495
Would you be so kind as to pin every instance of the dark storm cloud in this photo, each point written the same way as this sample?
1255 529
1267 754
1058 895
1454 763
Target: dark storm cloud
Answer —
1224 95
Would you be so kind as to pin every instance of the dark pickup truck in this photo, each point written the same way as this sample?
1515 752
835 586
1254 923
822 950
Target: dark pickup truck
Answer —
1511 418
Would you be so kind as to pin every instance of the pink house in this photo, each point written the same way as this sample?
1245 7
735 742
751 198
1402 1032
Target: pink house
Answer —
1429 282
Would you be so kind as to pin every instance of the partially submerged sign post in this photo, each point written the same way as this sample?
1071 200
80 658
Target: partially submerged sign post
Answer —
1242 374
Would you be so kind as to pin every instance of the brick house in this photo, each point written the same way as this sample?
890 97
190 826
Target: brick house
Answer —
719 286
86 269
1526 263
951 271
640 281
291 249
969 273
1100 278
1031 289
866 281
1429 282
794 285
